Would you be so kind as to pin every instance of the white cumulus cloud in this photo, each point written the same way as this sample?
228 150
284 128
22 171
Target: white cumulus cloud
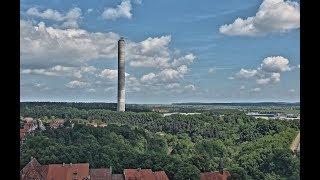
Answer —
187 59
70 19
111 74
76 84
121 11
152 52
269 71
275 64
42 46
272 16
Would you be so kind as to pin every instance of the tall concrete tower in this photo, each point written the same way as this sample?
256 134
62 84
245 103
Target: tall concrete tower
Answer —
121 75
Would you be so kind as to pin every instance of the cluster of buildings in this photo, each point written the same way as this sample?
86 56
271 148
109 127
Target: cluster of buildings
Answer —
81 171
169 114
30 125
273 116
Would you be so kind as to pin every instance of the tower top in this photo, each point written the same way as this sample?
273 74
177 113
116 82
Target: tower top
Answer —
121 38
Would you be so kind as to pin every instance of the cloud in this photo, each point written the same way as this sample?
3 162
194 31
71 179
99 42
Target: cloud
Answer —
172 74
242 87
60 71
91 90
273 78
272 16
138 1
269 71
246 73
70 19
190 87
121 11
47 14
275 64
152 52
256 90
168 75
88 69
292 90
43 47
89 10
67 52
110 89
111 74
76 84
173 86
211 70
187 59
148 77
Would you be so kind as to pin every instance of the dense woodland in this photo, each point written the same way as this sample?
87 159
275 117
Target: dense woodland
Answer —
182 146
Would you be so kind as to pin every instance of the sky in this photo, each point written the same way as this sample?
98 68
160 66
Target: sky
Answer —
176 51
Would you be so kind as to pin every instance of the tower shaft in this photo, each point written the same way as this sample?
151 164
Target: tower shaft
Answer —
121 75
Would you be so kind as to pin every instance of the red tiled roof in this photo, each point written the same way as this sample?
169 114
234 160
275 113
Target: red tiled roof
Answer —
214 175
33 170
144 174
100 174
161 175
68 171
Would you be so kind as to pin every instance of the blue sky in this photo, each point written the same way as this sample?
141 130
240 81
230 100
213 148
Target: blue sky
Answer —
177 51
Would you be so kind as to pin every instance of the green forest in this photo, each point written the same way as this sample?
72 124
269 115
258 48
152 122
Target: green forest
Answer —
182 146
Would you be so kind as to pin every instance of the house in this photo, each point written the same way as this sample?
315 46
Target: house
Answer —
144 174
68 171
223 175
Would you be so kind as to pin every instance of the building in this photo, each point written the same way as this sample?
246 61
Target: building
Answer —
101 174
144 174
215 175
56 123
29 126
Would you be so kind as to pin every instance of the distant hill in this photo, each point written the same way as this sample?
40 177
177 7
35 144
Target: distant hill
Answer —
84 105
241 104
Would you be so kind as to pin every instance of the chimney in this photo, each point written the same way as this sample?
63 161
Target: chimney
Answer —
121 75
